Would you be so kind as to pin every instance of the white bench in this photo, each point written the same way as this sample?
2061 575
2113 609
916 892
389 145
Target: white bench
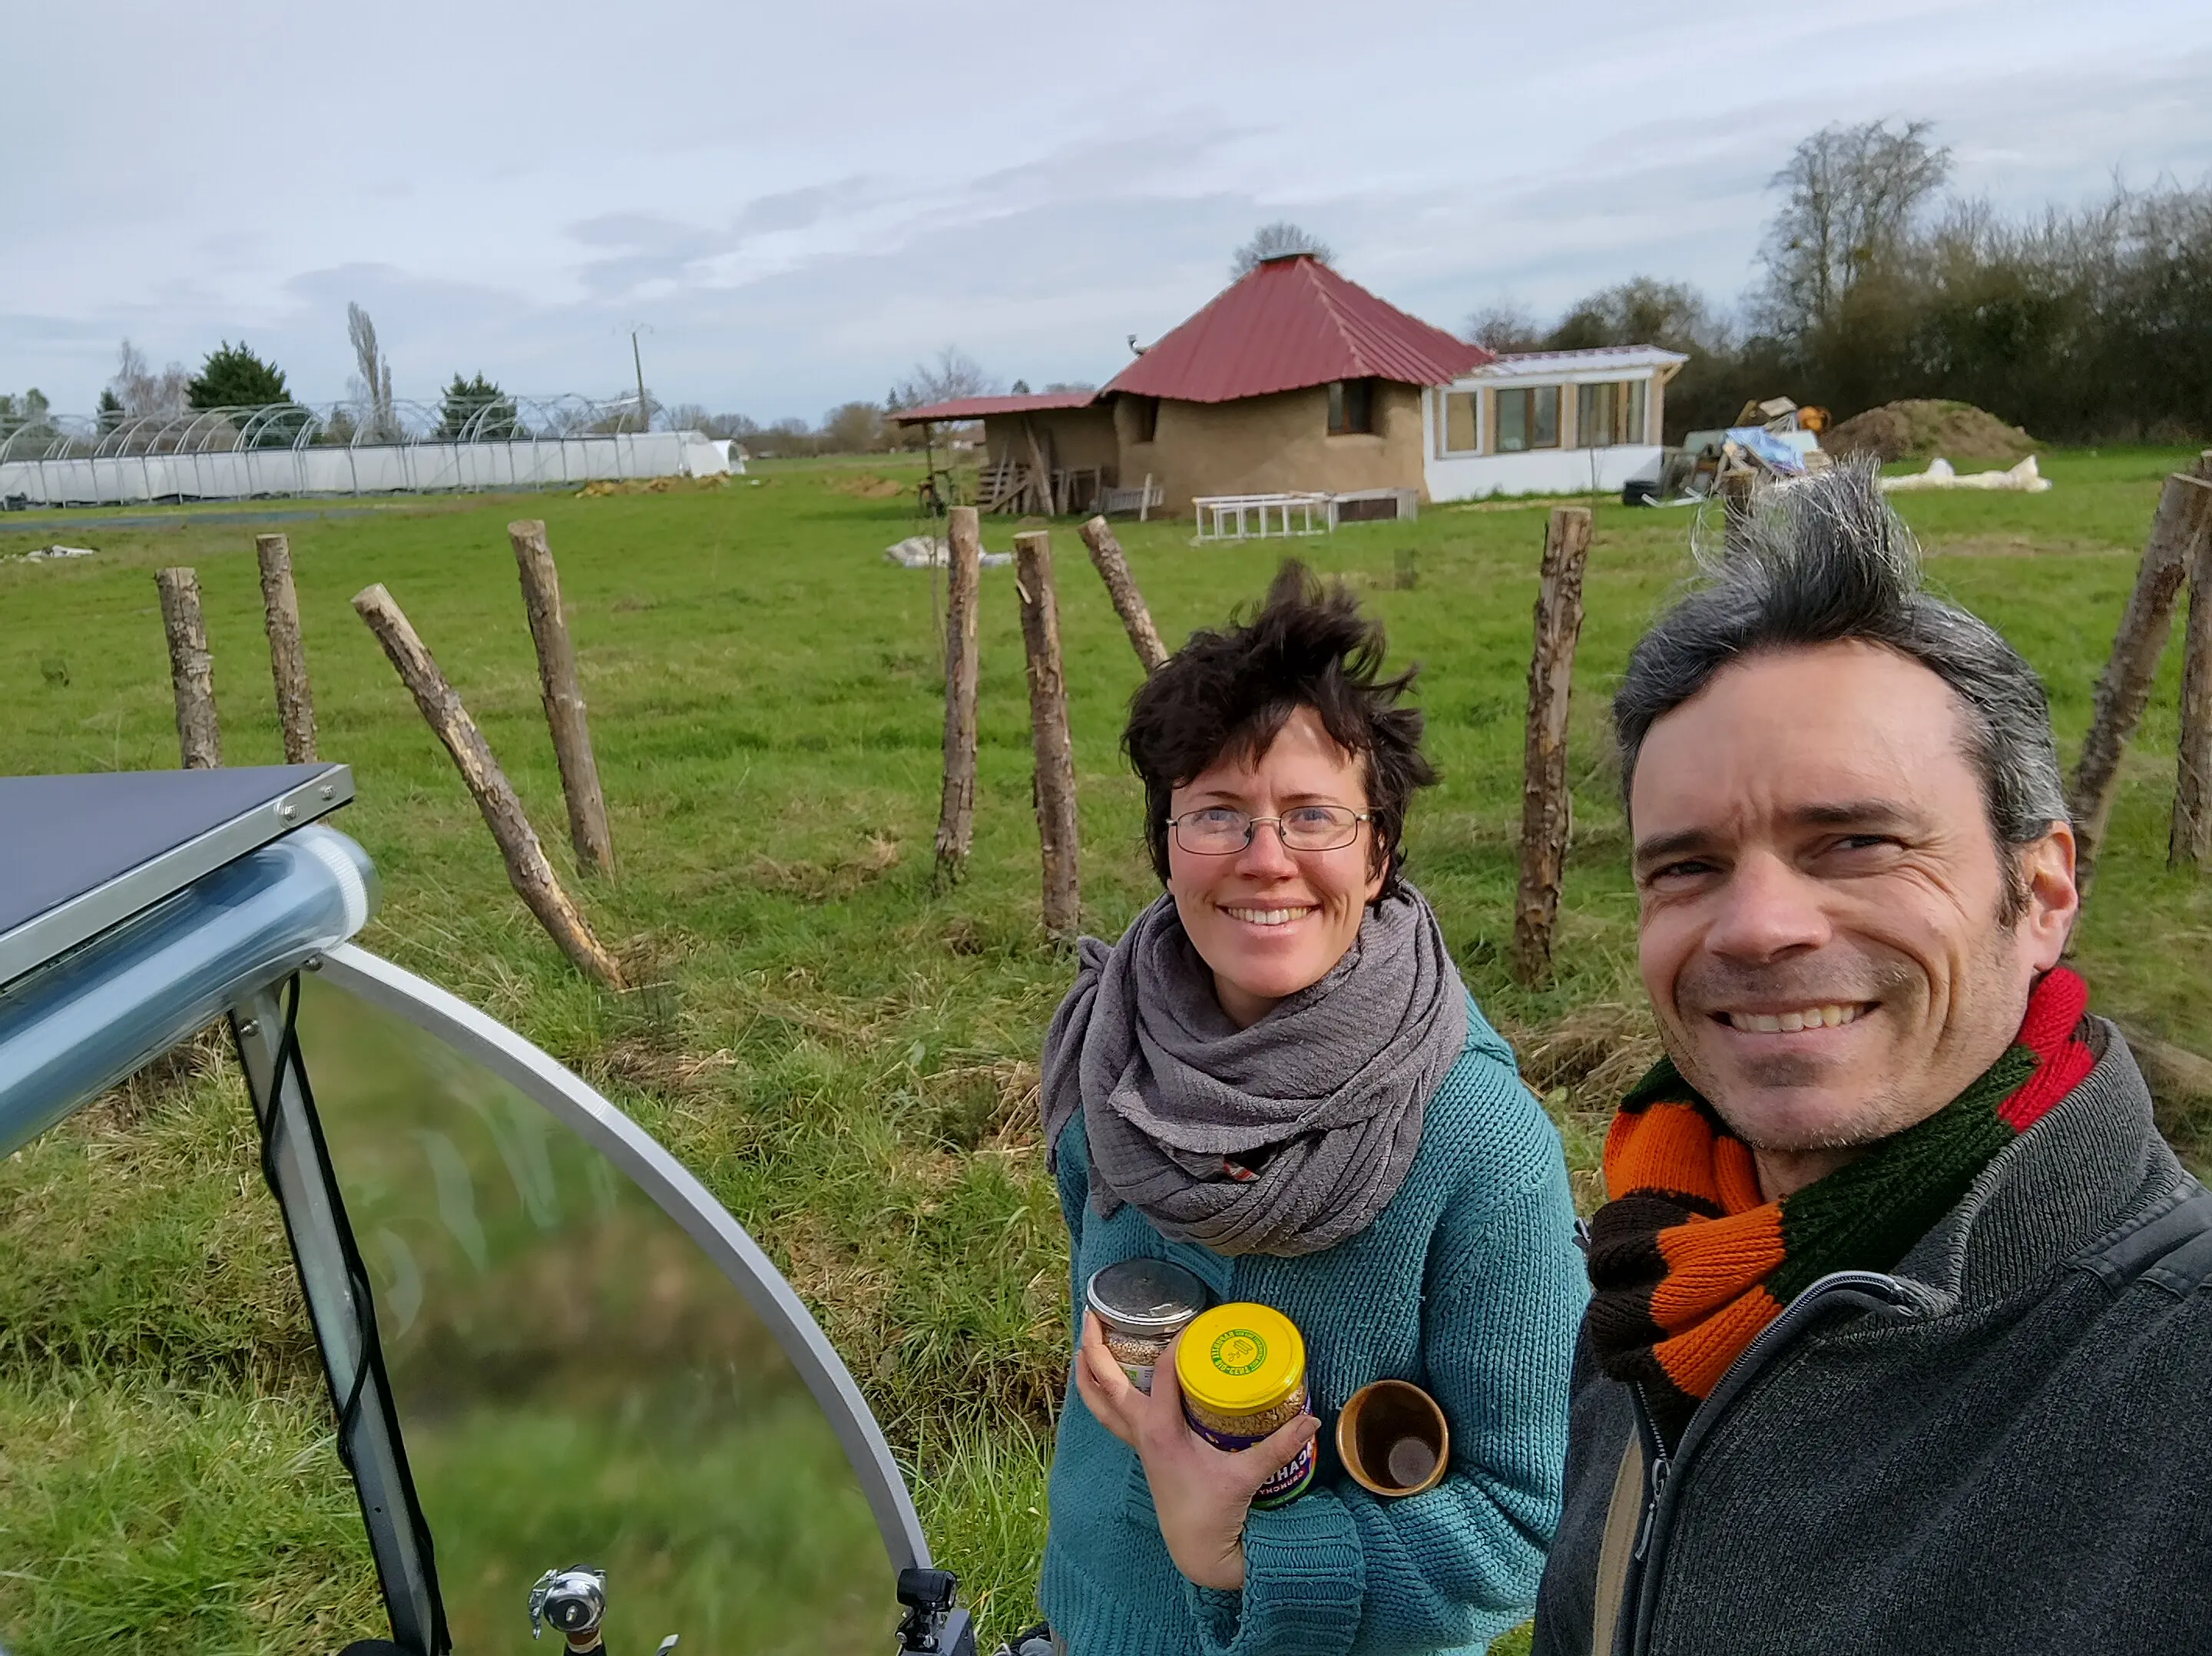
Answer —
1244 517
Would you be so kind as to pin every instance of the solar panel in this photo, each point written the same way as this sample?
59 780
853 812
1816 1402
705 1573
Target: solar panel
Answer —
84 853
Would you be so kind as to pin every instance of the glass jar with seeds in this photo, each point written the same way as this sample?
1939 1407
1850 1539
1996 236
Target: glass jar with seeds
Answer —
1142 1305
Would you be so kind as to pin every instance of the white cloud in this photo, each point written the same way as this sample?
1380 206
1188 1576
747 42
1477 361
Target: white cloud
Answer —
801 206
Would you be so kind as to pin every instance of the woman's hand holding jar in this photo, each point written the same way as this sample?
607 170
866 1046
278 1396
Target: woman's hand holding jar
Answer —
1201 1493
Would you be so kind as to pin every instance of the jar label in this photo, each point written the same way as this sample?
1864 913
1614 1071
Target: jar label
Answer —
1286 1485
1289 1483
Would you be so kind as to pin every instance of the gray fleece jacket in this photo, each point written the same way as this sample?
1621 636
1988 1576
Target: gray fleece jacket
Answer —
2005 1446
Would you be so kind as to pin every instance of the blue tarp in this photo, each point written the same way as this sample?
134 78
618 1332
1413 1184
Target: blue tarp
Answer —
1777 452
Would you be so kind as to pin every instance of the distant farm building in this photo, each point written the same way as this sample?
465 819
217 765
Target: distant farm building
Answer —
1295 380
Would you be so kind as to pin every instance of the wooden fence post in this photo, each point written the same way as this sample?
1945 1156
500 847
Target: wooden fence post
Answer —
287 656
2182 521
1057 828
1040 492
2189 843
956 812
588 829
1545 801
1128 603
527 869
192 668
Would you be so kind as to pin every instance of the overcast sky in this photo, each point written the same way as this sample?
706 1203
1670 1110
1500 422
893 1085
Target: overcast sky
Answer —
802 201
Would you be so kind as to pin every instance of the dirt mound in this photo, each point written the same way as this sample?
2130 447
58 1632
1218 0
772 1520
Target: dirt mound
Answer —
868 486
1921 429
607 486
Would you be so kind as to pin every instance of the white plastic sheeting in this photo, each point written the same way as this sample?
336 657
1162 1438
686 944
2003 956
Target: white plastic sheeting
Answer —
362 469
2025 479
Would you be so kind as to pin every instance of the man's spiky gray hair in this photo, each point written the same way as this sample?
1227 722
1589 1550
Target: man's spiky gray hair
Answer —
1824 560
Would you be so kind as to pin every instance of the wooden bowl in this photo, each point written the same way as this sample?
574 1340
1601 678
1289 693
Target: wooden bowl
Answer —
1393 1439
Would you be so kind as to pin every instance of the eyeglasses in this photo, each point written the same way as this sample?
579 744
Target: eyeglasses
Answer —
1219 831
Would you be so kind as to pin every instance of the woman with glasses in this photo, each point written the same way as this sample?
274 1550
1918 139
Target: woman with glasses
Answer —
1277 1081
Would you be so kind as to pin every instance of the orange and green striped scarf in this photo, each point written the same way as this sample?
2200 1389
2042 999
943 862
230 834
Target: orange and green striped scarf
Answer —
1687 1261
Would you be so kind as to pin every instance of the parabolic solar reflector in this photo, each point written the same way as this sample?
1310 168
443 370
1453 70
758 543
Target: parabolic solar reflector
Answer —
547 1345
577 1379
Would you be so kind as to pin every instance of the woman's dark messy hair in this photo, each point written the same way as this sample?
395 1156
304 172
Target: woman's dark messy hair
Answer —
1229 693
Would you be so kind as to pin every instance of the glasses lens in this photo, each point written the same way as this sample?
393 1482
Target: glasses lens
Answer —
1319 827
1214 833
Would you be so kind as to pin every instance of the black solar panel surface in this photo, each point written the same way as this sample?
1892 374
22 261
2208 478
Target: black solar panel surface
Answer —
61 837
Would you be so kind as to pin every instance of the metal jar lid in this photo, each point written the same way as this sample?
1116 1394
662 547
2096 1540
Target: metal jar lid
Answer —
1145 1296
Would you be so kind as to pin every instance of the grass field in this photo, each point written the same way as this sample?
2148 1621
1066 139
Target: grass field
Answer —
847 1058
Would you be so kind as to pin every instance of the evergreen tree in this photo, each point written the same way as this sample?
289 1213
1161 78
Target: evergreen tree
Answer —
463 400
233 377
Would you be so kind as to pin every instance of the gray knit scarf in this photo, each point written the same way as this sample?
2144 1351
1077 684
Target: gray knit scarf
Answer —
1285 1138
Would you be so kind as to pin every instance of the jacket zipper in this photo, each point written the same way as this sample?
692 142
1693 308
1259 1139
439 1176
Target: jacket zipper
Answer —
1658 1466
1665 1478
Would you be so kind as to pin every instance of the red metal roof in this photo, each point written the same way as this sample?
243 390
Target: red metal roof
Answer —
974 408
1292 323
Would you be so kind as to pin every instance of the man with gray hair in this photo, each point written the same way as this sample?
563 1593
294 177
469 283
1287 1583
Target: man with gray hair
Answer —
1900 1338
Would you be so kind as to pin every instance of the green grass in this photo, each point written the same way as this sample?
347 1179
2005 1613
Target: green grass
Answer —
845 1056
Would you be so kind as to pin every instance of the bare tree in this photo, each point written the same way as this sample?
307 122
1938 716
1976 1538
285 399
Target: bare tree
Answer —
1281 239
1642 311
142 391
17 414
375 381
853 428
1504 327
1852 193
954 373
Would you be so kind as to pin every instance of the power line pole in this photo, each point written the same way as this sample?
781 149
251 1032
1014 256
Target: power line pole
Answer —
644 412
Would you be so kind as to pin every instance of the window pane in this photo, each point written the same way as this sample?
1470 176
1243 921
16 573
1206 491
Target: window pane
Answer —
1639 411
1459 423
1544 417
1609 413
1359 406
1335 406
1512 422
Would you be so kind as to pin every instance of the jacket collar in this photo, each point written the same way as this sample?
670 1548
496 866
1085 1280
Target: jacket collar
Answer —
2053 1193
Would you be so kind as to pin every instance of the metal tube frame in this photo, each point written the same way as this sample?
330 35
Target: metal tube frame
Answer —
563 433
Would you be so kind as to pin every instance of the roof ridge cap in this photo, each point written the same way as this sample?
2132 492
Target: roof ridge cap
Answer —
1328 298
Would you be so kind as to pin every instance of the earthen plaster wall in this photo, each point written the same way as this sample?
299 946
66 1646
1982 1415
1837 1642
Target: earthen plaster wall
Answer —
1272 445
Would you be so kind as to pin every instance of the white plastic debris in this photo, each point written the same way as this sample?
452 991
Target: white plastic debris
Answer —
928 552
919 552
2023 478
39 554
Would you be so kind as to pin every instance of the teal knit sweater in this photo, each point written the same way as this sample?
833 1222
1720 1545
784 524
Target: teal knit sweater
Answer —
1469 1285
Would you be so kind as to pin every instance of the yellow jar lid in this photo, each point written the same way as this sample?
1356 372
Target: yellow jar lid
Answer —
1240 1359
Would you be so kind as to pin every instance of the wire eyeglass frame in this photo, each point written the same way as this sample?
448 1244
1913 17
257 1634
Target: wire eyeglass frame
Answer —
1334 815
